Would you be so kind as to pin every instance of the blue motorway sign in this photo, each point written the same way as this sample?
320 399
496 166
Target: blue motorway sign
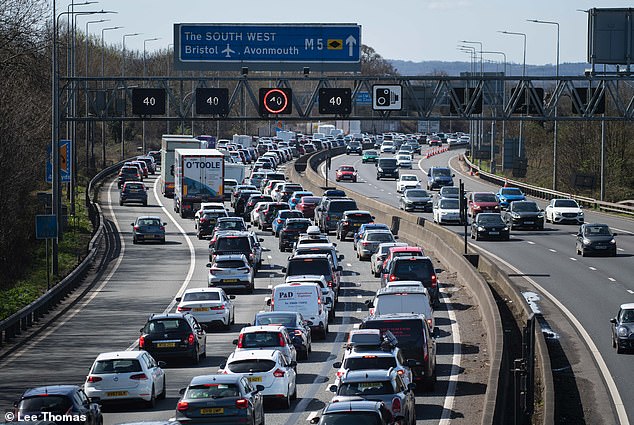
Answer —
363 98
65 162
267 47
45 226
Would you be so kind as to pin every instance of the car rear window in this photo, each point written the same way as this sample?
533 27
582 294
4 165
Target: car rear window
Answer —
251 366
160 326
274 209
202 296
340 206
149 222
379 237
359 217
213 391
408 332
308 266
228 264
233 244
413 269
49 403
117 366
311 199
134 186
365 388
230 225
278 319
260 339
369 362
291 214
351 418
129 170
302 226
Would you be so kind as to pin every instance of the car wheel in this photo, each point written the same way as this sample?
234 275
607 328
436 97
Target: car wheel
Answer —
164 391
195 357
294 395
134 241
152 402
163 241
619 350
472 235
477 236
233 318
199 236
145 203
286 402
613 341
120 203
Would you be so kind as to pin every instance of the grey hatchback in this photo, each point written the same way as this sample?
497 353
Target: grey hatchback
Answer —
148 228
133 192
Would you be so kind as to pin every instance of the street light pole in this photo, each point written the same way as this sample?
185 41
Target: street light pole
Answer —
479 124
519 149
144 74
103 123
492 52
123 74
89 159
472 129
537 21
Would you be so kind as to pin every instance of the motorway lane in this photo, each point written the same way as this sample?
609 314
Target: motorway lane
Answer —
147 277
591 287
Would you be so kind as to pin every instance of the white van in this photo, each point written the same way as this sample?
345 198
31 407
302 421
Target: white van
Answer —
304 298
326 291
412 300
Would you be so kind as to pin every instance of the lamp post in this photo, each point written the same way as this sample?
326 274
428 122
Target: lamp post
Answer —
519 148
472 52
537 21
492 52
90 159
123 74
103 123
168 74
144 74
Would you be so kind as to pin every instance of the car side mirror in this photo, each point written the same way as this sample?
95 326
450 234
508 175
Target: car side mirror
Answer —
614 234
164 224
293 364
234 342
267 300
178 299
396 237
314 420
182 391
260 239
411 363
232 297
141 330
613 320
203 327
131 224
336 365
340 257
368 303
259 388
283 269
161 364
334 244
208 265
332 388
94 400
248 226
411 386
579 234
437 271
339 268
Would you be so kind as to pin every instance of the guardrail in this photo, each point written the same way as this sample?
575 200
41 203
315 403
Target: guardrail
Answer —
543 193
448 247
13 325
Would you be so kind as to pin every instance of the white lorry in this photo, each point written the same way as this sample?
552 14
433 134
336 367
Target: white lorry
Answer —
169 143
198 177
243 140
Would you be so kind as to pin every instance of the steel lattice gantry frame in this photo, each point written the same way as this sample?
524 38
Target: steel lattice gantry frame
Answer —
578 98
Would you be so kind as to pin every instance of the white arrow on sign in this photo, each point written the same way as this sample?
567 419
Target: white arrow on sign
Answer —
351 41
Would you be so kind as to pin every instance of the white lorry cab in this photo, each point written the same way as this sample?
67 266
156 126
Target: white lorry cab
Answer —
304 298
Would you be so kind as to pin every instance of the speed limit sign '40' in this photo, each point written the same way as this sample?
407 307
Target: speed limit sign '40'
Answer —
276 101
148 101
212 101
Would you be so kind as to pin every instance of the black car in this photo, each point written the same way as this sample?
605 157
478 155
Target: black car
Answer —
229 242
413 268
241 200
490 226
351 221
416 199
174 335
524 214
386 168
354 412
128 174
289 234
207 223
251 201
133 192
271 212
295 325
623 328
354 147
58 400
595 238
330 211
415 339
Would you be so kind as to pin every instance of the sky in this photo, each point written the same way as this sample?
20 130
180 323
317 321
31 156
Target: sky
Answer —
414 30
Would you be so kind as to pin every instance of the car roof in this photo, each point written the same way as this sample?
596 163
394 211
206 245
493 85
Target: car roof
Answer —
357 212
254 354
320 245
306 278
627 306
205 289
363 375
308 256
216 378
275 313
262 328
51 390
149 216
234 233
354 405
134 354
408 248
230 218
410 290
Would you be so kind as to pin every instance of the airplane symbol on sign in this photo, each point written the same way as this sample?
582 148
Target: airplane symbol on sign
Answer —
228 51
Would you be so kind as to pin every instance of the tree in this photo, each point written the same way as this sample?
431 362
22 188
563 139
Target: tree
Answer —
373 64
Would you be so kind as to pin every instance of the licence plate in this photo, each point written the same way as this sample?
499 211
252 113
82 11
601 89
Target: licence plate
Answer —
494 233
165 344
529 222
117 393
601 247
230 280
212 411
255 379
356 225
201 309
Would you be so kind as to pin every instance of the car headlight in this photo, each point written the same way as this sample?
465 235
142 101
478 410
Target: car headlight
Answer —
612 241
505 228
409 201
586 241
580 213
444 213
515 215
481 229
557 213
622 331
540 215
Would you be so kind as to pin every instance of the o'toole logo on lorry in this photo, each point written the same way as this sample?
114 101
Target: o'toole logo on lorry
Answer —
203 164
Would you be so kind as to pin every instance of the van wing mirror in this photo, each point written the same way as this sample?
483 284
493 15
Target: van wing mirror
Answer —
336 365
368 303
332 388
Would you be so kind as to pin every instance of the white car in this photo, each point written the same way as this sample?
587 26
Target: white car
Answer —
404 284
269 368
410 300
270 337
126 375
255 212
214 214
231 271
404 160
564 211
208 206
447 210
388 147
407 181
208 305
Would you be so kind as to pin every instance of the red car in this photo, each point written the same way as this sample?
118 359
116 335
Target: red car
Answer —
346 172
307 205
478 202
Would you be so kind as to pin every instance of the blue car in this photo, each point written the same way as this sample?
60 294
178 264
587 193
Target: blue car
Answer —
506 195
368 226
296 197
280 219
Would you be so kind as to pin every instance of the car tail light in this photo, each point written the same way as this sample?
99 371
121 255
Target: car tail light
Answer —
142 342
434 281
191 339
429 322
240 338
203 220
279 220
94 379
396 405
365 243
136 227
242 403
392 278
400 372
139 377
161 227
182 406
279 373
298 332
179 308
281 339
217 307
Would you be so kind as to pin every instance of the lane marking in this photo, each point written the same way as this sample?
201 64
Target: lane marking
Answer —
611 279
358 310
592 268
594 350
348 265
530 242
551 250
573 259
359 296
630 291
456 360
620 249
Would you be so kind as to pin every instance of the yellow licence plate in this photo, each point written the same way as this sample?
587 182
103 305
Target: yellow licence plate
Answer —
201 309
230 280
255 379
166 344
117 393
212 411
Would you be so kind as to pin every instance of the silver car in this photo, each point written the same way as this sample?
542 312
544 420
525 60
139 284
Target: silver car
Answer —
377 259
231 271
148 228
369 243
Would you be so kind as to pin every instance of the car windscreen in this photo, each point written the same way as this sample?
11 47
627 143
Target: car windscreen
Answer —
387 162
405 157
409 178
371 153
512 191
369 362
597 231
525 207
346 168
341 206
50 403
251 366
489 219
566 203
449 204
288 320
415 193
366 388
306 266
442 172
239 244
484 197
203 296
413 269
117 366
228 264
379 237
212 391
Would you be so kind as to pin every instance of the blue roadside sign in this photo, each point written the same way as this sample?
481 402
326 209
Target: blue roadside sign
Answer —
65 161
363 98
267 47
45 226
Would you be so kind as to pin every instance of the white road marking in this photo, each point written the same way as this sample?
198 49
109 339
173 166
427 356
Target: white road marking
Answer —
359 296
269 257
573 259
611 279
592 268
530 242
630 291
620 249
348 265
551 250
622 231
382 190
447 410
269 286
358 310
